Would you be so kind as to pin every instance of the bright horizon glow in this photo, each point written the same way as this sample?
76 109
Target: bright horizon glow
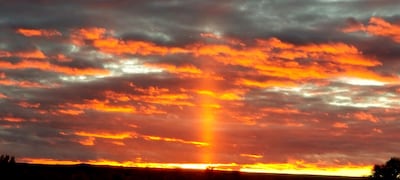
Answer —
279 168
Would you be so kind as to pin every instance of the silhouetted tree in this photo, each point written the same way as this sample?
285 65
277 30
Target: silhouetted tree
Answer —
7 161
388 171
12 160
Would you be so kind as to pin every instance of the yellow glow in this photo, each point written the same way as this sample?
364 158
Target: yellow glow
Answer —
89 141
207 134
104 135
311 169
223 96
49 161
281 168
206 92
256 156
157 138
208 107
70 111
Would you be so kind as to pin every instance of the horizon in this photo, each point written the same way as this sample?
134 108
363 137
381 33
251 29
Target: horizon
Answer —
245 168
288 86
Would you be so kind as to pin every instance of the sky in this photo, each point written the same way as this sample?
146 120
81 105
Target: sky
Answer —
285 86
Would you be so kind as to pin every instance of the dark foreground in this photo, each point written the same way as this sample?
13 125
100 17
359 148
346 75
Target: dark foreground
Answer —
86 172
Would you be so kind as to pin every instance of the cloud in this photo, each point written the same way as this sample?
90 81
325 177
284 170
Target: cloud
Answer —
380 27
3 96
38 32
340 125
376 26
242 83
352 25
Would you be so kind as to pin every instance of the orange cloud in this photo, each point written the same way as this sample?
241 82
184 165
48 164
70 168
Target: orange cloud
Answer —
46 66
152 95
275 58
115 46
379 27
5 54
294 124
29 105
281 110
376 26
227 96
91 33
253 156
158 138
72 112
210 35
49 161
377 130
105 135
36 54
89 141
13 119
363 116
111 45
22 84
189 69
31 61
352 25
98 105
79 36
268 57
119 102
264 84
38 32
150 109
2 96
31 54
63 58
363 73
340 125
166 99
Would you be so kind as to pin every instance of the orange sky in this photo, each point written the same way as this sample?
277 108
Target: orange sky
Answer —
238 85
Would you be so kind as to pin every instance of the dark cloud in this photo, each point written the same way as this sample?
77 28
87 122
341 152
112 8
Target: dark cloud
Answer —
174 81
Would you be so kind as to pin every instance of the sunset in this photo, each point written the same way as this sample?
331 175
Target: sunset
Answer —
287 87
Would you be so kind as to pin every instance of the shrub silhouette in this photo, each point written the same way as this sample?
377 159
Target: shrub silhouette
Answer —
388 171
6 160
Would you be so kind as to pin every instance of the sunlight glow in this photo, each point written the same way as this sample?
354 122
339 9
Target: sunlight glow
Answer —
157 138
361 82
284 168
130 66
361 171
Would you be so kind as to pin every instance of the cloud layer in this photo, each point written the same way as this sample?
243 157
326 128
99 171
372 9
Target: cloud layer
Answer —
201 82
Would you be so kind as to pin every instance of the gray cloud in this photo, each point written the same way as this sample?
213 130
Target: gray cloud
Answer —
327 118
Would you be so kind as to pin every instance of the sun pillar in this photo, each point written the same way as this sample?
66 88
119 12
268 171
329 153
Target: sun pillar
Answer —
207 130
208 106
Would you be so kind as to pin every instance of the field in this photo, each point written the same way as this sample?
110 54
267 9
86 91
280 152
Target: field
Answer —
86 172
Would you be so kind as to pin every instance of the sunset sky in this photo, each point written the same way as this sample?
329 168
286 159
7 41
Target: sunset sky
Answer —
288 86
